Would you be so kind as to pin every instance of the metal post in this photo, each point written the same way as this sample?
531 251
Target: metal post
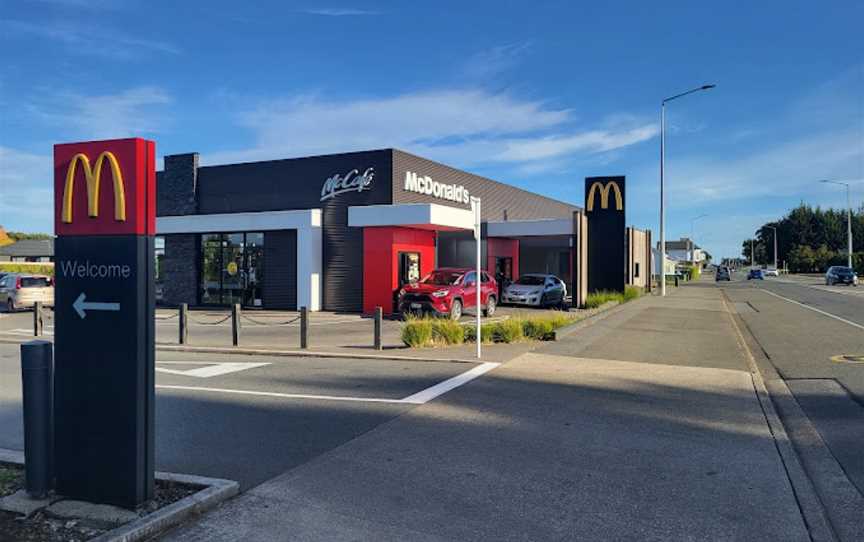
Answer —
235 324
379 313
478 284
849 224
184 323
37 378
37 319
304 327
662 199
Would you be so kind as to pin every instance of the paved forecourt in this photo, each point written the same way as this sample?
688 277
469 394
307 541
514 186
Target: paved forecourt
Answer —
560 444
251 418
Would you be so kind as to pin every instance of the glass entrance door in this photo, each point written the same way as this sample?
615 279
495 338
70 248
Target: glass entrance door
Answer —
232 268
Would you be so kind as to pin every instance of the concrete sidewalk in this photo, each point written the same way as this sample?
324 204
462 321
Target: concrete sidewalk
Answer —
556 446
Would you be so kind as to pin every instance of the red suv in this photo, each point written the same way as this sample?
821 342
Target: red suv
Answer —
447 291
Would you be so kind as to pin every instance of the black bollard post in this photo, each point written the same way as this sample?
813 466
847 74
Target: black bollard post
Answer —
184 323
235 324
37 378
37 319
379 314
304 327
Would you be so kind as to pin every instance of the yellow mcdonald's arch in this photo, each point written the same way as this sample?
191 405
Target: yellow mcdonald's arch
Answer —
93 177
604 195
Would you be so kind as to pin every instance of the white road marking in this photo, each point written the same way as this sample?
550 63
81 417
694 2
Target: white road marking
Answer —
210 369
439 389
418 398
281 395
814 309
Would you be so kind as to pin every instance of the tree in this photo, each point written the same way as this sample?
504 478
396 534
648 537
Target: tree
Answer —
20 235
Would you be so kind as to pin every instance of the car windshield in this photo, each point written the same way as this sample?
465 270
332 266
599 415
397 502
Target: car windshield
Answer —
530 280
442 278
842 269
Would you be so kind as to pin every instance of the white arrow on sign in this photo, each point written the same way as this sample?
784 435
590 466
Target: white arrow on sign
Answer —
80 306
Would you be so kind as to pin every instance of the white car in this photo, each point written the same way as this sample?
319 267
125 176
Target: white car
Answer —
535 289
771 272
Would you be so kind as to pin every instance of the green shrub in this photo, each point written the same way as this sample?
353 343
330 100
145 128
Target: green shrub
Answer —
509 331
34 268
537 328
559 319
631 293
417 332
694 272
489 332
446 331
596 299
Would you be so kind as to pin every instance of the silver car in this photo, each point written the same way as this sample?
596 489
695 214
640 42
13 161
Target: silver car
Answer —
535 289
23 290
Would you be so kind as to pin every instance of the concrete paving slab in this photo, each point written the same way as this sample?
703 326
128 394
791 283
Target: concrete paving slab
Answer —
100 516
543 448
21 503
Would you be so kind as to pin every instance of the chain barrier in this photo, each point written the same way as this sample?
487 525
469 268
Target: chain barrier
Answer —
260 323
222 321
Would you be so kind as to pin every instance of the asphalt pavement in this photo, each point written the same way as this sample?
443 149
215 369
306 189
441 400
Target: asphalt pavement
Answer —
250 418
801 324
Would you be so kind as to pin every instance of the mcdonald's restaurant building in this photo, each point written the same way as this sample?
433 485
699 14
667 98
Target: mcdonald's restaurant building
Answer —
343 232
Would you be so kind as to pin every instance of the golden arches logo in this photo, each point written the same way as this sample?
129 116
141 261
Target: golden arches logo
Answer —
604 195
93 177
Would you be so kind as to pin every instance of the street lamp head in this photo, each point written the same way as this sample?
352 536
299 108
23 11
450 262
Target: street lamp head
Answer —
706 87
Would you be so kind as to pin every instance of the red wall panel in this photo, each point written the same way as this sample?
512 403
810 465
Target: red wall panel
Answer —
381 248
496 246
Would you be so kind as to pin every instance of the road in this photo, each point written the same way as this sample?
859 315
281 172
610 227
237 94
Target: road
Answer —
265 416
801 324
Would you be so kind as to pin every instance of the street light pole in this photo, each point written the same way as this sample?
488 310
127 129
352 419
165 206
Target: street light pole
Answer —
692 245
663 181
848 218
775 245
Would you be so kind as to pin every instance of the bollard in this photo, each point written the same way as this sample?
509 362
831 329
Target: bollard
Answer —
378 316
184 323
304 327
676 281
235 324
37 377
37 319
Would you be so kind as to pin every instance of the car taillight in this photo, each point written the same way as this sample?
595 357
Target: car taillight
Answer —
17 283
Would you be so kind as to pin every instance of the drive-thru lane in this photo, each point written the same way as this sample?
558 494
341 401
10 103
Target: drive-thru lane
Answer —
250 418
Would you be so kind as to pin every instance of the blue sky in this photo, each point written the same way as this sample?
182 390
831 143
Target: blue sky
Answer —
538 94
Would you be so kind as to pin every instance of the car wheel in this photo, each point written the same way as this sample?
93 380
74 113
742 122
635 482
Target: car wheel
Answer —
543 301
456 310
490 306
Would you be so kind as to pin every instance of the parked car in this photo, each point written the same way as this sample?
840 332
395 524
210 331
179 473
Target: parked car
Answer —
772 272
839 274
21 290
447 292
756 274
722 274
536 289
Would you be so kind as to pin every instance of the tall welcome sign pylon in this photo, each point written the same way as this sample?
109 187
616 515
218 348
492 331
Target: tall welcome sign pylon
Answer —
105 220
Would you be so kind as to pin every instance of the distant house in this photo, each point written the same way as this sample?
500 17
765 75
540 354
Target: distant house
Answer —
28 250
685 250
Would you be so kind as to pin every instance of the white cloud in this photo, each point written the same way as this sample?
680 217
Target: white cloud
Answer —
339 12
493 61
463 127
92 38
135 111
26 191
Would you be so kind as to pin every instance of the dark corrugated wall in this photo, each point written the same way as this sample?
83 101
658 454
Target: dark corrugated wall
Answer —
280 269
